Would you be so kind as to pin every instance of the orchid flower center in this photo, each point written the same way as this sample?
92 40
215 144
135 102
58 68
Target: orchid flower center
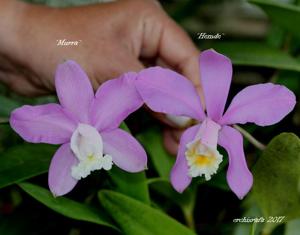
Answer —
202 155
87 146
202 159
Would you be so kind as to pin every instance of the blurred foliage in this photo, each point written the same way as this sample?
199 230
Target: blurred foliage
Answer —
24 161
136 218
262 39
277 171
153 143
66 206
257 54
284 15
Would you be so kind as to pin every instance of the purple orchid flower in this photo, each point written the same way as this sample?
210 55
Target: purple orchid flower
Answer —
168 92
86 125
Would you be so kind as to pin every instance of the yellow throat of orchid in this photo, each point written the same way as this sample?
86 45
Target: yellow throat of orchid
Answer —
202 159
87 146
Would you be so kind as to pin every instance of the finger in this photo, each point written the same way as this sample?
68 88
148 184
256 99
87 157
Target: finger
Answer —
113 69
173 47
178 51
184 58
170 143
176 134
21 85
163 119
175 122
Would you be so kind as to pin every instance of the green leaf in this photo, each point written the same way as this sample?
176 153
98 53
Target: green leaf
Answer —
153 143
292 227
186 200
285 15
164 188
124 127
276 179
257 54
67 207
219 180
276 36
250 211
7 105
132 184
24 161
136 218
289 79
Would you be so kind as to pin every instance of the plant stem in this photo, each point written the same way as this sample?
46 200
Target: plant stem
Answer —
188 209
267 229
4 120
274 77
189 218
252 229
250 138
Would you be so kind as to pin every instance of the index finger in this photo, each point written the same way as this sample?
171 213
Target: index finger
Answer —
178 51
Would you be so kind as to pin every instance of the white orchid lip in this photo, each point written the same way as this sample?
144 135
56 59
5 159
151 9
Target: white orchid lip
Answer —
202 159
201 154
87 146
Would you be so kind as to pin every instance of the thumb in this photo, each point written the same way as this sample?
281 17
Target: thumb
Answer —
20 84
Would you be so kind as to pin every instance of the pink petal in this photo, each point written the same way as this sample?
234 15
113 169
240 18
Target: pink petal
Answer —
42 124
180 179
74 90
208 133
168 92
215 74
263 104
59 179
115 100
125 151
239 177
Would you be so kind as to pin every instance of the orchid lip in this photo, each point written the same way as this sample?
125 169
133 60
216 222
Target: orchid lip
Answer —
201 154
87 146
202 159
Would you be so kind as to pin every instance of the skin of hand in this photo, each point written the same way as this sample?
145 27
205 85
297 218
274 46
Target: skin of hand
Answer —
114 38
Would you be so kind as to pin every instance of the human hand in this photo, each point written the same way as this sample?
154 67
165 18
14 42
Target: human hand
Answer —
114 38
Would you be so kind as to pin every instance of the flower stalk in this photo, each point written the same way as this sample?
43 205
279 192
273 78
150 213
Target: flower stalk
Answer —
250 138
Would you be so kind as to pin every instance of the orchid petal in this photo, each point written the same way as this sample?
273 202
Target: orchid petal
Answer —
74 90
125 150
168 92
114 101
215 74
208 133
59 179
180 179
262 104
86 141
239 177
42 124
